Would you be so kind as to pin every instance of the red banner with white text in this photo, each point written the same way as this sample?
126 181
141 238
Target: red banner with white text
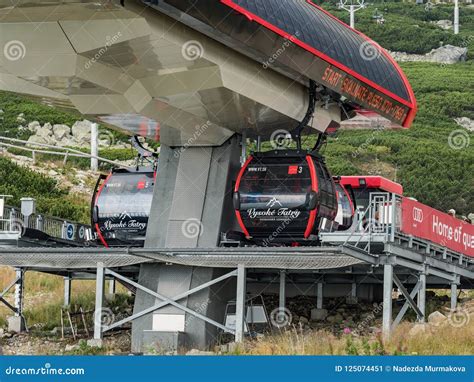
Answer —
427 223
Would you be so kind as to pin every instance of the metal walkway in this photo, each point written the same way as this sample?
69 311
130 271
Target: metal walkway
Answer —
397 260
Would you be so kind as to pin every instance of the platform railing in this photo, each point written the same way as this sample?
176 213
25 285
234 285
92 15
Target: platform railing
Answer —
14 221
377 223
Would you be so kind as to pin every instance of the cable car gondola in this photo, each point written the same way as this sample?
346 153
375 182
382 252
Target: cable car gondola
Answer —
285 196
121 207
122 200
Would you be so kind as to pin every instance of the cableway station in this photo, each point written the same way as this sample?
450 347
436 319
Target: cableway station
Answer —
236 203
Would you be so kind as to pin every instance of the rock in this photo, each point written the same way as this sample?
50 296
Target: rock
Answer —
61 131
447 54
318 314
21 118
436 318
69 348
44 131
444 24
465 122
33 126
81 130
417 329
52 173
37 139
199 352
304 320
338 319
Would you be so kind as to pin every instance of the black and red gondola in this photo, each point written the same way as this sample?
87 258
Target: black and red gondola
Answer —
122 200
286 196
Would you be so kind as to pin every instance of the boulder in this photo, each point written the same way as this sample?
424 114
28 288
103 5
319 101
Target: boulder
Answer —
36 139
465 122
318 314
436 318
304 320
33 126
44 131
444 55
448 54
444 24
81 130
61 131
21 118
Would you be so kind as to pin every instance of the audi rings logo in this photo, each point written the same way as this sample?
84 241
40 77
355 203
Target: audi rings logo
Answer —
418 215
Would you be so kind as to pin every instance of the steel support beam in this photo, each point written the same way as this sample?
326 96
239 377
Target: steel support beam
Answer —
319 296
99 301
454 296
282 294
422 297
405 306
170 301
19 286
240 303
67 291
408 297
112 287
163 304
387 300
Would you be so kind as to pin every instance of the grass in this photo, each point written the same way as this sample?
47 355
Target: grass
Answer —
445 340
44 297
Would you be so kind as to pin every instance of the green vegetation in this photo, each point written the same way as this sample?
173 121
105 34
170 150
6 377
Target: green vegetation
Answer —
408 27
421 158
20 181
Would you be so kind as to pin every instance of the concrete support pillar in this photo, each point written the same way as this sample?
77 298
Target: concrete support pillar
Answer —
454 296
240 304
94 146
67 290
319 296
99 301
456 17
352 16
17 323
19 292
112 287
421 302
387 300
282 290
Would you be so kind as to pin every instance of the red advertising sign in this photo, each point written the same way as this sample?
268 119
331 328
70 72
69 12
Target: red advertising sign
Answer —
427 223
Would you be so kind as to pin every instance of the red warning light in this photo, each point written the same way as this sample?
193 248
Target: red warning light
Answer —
292 170
141 185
